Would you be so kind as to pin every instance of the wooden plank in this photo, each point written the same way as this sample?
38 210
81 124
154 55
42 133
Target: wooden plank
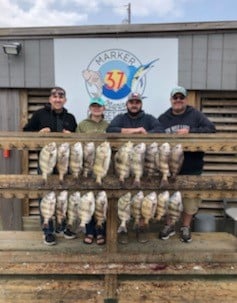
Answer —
220 111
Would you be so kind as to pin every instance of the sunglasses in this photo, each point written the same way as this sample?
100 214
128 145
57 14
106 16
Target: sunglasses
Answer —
178 97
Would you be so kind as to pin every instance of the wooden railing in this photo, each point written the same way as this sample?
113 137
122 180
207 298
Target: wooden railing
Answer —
113 260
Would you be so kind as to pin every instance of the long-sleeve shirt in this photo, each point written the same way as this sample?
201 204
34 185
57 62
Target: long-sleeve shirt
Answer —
46 117
90 126
147 121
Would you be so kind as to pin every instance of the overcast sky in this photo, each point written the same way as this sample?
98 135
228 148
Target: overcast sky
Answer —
24 13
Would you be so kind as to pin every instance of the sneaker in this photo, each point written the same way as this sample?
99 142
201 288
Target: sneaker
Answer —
185 234
167 232
69 234
49 239
141 234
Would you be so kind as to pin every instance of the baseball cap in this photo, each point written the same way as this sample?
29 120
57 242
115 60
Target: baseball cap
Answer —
178 90
135 96
97 100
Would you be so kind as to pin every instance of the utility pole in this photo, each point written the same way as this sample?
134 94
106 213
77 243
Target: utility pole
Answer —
129 13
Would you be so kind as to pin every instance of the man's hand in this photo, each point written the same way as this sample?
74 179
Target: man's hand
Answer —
183 131
45 130
137 130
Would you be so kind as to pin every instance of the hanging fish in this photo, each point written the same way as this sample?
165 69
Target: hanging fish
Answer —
61 207
149 205
122 161
136 208
102 161
175 207
124 211
63 160
89 158
76 159
164 159
176 160
101 207
86 208
162 204
47 207
48 159
72 214
137 162
150 165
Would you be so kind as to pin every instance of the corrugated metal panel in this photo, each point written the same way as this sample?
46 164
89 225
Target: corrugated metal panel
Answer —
32 68
10 209
209 62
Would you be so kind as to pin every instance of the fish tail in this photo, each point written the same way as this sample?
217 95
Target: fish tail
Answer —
122 229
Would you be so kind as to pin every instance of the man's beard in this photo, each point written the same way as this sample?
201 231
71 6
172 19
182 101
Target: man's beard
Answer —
132 114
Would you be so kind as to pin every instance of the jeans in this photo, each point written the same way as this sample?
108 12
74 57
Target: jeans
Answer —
91 228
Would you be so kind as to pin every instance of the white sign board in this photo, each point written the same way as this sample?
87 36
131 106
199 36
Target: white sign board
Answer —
113 67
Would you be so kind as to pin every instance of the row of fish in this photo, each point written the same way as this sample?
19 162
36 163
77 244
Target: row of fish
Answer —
141 159
148 207
129 160
76 159
74 208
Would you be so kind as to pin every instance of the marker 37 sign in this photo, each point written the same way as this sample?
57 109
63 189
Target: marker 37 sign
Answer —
112 75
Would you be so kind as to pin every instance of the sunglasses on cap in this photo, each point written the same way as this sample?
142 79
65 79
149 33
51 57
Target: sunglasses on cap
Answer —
181 97
61 94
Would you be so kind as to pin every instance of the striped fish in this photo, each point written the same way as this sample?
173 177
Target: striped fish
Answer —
73 201
101 207
150 166
63 160
76 159
136 208
137 162
175 207
47 207
48 159
86 208
162 204
89 158
124 211
102 161
61 206
149 205
122 161
165 151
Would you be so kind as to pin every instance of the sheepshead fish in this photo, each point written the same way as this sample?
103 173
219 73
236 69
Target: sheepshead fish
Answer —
47 207
73 201
86 209
61 206
165 151
76 159
137 162
101 206
136 207
176 160
122 161
48 159
124 211
162 204
89 158
149 205
102 161
63 160
150 165
175 207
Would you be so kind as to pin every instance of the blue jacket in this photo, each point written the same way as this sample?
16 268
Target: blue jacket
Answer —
150 123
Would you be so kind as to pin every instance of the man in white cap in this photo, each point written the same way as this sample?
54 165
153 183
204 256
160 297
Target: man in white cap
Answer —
182 118
135 121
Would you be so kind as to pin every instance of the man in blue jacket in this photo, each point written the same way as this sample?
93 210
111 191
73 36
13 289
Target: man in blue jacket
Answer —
182 118
135 120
